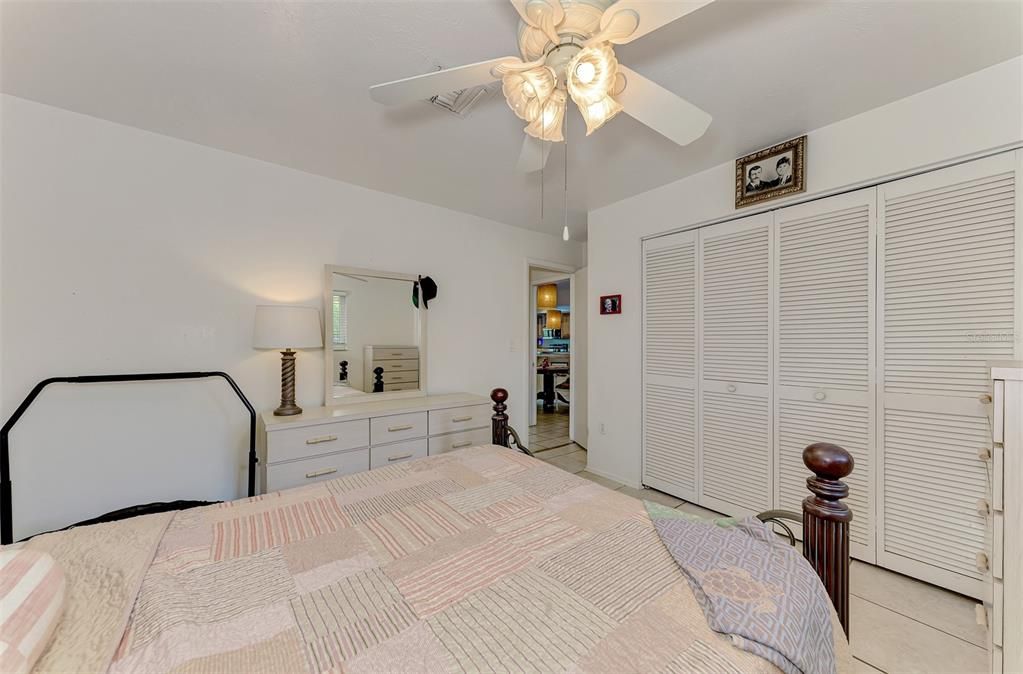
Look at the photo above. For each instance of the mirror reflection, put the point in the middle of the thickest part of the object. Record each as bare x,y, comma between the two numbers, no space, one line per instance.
372,333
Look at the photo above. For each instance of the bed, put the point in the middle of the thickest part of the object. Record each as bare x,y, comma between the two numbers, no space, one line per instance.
480,559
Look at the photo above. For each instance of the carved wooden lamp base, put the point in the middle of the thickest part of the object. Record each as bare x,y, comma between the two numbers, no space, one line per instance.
288,406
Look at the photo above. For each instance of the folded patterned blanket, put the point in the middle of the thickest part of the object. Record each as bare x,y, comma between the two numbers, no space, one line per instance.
753,587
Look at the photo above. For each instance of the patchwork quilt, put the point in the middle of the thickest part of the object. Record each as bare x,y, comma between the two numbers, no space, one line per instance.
482,559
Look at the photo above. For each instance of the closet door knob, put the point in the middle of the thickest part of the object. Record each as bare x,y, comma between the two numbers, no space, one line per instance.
820,395
731,388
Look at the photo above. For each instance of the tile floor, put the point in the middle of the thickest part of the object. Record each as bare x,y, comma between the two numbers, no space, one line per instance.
898,624
551,429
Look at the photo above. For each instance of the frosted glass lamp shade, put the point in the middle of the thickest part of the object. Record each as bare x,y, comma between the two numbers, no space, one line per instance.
526,91
547,296
591,74
597,114
281,326
548,124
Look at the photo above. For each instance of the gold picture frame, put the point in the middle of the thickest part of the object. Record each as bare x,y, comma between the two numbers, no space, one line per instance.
771,173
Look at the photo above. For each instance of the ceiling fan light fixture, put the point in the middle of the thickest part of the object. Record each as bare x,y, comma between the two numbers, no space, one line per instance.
597,114
526,92
548,124
591,74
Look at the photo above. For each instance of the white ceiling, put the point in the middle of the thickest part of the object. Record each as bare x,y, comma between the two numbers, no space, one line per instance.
287,82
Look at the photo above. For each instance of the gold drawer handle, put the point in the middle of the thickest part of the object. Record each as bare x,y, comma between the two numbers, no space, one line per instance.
399,458
461,419
398,353
459,445
320,473
395,429
322,438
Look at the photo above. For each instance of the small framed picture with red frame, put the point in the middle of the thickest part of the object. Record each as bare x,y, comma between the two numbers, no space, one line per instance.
610,304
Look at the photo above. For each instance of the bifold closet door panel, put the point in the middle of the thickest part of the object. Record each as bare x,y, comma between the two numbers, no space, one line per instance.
735,425
948,253
824,383
670,461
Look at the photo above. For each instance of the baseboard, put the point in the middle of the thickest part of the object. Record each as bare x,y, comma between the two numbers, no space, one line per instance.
615,478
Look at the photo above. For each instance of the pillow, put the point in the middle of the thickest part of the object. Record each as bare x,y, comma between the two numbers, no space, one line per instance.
31,603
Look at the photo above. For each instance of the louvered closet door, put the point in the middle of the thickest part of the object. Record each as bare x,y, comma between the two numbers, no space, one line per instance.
824,388
669,364
735,366
949,287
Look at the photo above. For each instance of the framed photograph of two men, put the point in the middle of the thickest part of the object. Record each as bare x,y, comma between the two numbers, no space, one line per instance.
771,173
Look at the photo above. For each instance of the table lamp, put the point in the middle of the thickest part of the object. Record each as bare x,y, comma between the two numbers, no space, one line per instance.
280,326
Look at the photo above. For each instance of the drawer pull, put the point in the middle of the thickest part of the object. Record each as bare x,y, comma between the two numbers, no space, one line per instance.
459,420
400,457
320,473
397,353
731,388
395,429
820,395
322,438
459,445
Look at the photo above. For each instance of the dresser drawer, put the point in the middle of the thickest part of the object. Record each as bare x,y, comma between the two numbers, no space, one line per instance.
401,377
404,386
385,455
395,353
299,443
397,365
297,473
459,418
383,430
446,443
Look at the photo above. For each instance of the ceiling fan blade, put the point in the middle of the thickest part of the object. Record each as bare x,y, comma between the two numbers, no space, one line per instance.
652,15
422,87
674,118
533,155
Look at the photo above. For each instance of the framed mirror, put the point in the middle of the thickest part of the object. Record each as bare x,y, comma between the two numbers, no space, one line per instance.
374,335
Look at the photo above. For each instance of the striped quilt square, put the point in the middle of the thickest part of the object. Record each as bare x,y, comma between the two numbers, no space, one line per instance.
276,527
438,585
618,570
527,622
345,618
375,506
402,532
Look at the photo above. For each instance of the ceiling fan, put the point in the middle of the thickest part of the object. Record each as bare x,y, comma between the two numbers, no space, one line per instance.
567,49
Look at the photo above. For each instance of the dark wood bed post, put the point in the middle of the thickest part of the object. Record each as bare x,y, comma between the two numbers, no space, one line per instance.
499,422
826,522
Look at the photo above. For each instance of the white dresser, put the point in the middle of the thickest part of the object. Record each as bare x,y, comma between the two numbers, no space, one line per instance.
1005,605
326,442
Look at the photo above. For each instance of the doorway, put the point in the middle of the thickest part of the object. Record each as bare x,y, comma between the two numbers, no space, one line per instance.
551,367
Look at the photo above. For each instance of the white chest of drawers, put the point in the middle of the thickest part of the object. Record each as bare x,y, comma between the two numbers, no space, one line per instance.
1005,601
327,442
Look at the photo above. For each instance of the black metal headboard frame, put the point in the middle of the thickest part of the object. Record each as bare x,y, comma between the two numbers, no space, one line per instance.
6,519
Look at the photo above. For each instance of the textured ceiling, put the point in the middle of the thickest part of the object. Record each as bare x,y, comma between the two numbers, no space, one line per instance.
287,82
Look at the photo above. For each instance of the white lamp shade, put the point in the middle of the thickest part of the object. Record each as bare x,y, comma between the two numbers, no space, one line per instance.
281,326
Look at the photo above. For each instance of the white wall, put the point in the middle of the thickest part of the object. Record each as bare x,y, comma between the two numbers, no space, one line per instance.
125,250
580,359
974,114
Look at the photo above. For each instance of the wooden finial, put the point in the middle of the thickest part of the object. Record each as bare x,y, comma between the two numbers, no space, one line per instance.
829,464
826,522
499,422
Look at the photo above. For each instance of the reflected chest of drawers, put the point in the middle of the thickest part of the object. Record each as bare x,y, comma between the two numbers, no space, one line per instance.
390,368
328,442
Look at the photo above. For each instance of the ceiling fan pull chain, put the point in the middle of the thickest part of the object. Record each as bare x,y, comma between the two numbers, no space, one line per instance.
564,232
